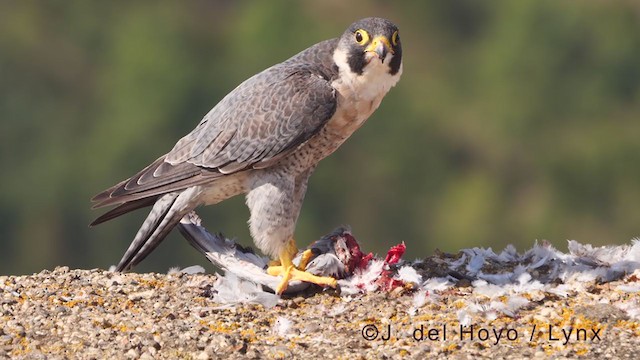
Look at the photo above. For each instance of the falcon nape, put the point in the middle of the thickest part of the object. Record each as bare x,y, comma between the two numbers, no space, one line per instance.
264,139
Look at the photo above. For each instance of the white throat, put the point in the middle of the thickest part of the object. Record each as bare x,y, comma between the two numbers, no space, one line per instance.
374,82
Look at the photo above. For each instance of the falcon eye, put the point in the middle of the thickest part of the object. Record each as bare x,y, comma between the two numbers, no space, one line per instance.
362,37
394,38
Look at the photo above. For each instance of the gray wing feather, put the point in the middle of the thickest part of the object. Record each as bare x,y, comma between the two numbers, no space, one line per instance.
269,114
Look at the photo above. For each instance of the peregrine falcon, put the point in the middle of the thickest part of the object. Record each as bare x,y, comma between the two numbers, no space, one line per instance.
264,139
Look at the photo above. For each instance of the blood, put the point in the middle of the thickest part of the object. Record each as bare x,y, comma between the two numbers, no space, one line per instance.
386,281
395,253
358,259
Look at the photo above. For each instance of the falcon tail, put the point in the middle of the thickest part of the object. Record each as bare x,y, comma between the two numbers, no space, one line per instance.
123,209
164,216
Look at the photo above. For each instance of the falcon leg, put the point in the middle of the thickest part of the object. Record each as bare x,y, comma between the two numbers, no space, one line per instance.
274,201
290,273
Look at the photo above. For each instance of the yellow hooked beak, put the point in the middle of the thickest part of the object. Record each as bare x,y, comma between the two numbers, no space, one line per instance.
380,45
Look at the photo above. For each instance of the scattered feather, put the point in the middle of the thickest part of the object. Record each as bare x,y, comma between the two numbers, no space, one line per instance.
282,326
629,288
418,301
515,303
194,269
509,254
337,310
476,263
489,290
174,270
232,290
461,261
562,290
436,284
464,317
363,281
408,275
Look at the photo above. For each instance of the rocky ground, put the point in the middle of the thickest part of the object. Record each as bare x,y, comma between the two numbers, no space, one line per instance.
98,314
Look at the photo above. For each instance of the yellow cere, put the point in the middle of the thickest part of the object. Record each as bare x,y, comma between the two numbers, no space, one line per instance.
376,41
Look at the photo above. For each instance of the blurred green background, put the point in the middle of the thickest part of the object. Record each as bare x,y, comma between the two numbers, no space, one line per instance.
514,121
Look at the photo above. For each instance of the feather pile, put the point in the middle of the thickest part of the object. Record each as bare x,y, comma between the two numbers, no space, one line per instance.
497,276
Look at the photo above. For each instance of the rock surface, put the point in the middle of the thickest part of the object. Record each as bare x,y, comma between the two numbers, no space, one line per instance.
95,314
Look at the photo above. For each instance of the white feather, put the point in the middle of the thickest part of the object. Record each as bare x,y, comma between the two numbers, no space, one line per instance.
232,290
436,284
408,275
464,317
191,270
282,326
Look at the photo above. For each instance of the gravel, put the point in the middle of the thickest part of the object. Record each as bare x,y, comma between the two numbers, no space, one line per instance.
96,314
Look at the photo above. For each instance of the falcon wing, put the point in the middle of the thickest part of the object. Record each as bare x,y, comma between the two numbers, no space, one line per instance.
261,121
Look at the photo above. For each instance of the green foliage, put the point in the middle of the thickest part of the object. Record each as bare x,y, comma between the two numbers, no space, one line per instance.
514,121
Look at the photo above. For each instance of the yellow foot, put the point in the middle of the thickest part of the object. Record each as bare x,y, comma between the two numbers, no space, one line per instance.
304,259
290,273
274,263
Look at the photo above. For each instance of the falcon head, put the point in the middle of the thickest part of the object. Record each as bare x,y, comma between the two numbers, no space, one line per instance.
370,46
